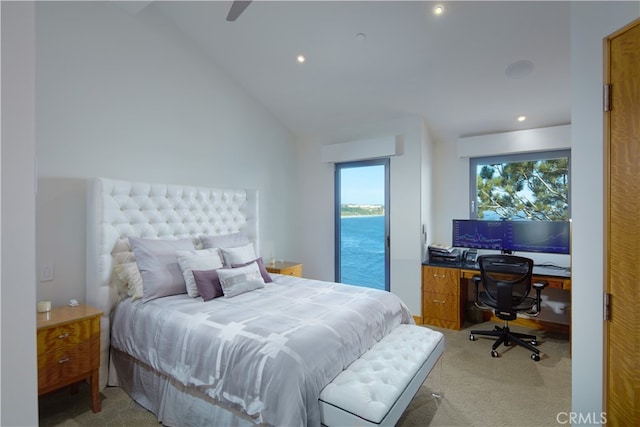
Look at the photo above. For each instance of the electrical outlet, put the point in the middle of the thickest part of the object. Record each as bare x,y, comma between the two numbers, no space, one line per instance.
46,272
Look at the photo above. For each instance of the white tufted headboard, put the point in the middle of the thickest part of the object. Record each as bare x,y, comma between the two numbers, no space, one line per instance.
119,209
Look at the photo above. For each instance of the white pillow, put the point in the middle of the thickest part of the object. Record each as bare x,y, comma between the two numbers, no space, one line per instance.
236,281
238,255
205,259
130,275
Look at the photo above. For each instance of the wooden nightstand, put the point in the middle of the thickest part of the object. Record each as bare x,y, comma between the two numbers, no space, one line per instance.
69,349
284,267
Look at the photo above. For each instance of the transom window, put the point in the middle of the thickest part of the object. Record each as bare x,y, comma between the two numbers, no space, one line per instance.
529,186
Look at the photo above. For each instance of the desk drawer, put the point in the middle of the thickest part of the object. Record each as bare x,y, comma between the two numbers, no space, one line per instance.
441,280
440,306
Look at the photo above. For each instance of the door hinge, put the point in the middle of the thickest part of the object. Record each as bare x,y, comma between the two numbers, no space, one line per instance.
606,98
607,306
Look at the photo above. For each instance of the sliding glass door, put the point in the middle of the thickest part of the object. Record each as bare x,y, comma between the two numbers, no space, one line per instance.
362,223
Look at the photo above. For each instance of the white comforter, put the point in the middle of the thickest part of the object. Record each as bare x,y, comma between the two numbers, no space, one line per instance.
268,352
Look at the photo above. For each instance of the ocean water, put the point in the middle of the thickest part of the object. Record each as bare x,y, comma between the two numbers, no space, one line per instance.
362,249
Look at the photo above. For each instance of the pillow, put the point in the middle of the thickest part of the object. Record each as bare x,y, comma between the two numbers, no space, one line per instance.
263,271
130,276
232,240
238,255
205,259
208,284
236,281
161,275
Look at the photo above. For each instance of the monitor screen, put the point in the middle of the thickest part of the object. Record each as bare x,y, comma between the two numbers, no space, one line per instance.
478,234
537,236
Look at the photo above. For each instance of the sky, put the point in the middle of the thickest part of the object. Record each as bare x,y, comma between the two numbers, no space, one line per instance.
362,185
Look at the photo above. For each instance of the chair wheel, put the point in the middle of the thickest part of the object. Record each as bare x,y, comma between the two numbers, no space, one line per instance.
495,353
534,342
472,337
535,357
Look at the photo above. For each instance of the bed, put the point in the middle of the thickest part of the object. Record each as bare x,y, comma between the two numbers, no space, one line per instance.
261,352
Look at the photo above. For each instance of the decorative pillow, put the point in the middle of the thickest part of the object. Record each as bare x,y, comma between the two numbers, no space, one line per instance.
263,271
238,255
236,281
130,276
158,264
232,240
205,259
208,284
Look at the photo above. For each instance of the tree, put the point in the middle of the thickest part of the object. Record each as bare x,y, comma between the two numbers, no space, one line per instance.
532,190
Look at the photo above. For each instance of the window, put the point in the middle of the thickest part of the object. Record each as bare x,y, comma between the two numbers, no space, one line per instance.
362,223
530,186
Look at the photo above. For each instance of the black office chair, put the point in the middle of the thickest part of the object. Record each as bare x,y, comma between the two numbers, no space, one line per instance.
506,282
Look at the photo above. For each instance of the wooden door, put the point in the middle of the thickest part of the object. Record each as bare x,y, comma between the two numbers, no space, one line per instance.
622,227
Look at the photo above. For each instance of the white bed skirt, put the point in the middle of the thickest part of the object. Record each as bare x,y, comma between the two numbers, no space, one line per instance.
173,403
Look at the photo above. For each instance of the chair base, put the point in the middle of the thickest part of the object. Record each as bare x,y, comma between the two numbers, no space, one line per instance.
506,337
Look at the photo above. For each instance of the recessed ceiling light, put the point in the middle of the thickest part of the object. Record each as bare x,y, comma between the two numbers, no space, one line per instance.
521,118
361,36
301,59
438,9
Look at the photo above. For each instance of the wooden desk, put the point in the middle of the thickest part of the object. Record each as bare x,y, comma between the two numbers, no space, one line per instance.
445,292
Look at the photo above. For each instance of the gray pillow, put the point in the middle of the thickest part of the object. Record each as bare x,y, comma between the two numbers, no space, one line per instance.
236,281
263,270
158,264
232,240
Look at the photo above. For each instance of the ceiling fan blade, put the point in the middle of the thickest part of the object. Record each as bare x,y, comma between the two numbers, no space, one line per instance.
237,7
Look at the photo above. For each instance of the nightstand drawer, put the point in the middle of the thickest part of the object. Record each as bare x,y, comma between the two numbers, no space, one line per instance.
64,336
64,363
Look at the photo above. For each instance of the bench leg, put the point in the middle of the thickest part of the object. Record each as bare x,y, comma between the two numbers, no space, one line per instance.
436,374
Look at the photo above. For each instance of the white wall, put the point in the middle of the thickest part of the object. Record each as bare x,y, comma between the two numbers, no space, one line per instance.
317,204
126,96
18,376
591,22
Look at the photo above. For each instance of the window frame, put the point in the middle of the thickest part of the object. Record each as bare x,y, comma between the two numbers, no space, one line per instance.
512,158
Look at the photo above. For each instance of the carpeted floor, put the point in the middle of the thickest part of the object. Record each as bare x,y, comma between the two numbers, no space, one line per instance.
475,389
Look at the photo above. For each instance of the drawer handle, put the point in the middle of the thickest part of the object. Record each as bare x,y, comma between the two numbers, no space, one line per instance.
441,276
65,335
63,360
438,301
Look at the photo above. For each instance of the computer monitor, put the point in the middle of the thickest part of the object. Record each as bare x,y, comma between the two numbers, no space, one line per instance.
478,234
537,236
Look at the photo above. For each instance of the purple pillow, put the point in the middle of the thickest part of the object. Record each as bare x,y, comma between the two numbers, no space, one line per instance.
208,284
263,271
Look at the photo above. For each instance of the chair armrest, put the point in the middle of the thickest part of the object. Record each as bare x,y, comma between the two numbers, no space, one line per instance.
538,286
476,293
476,285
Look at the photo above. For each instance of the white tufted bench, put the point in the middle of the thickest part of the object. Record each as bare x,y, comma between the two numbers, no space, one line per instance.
377,388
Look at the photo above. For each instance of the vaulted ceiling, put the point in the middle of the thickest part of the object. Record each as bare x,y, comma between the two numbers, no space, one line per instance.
470,70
